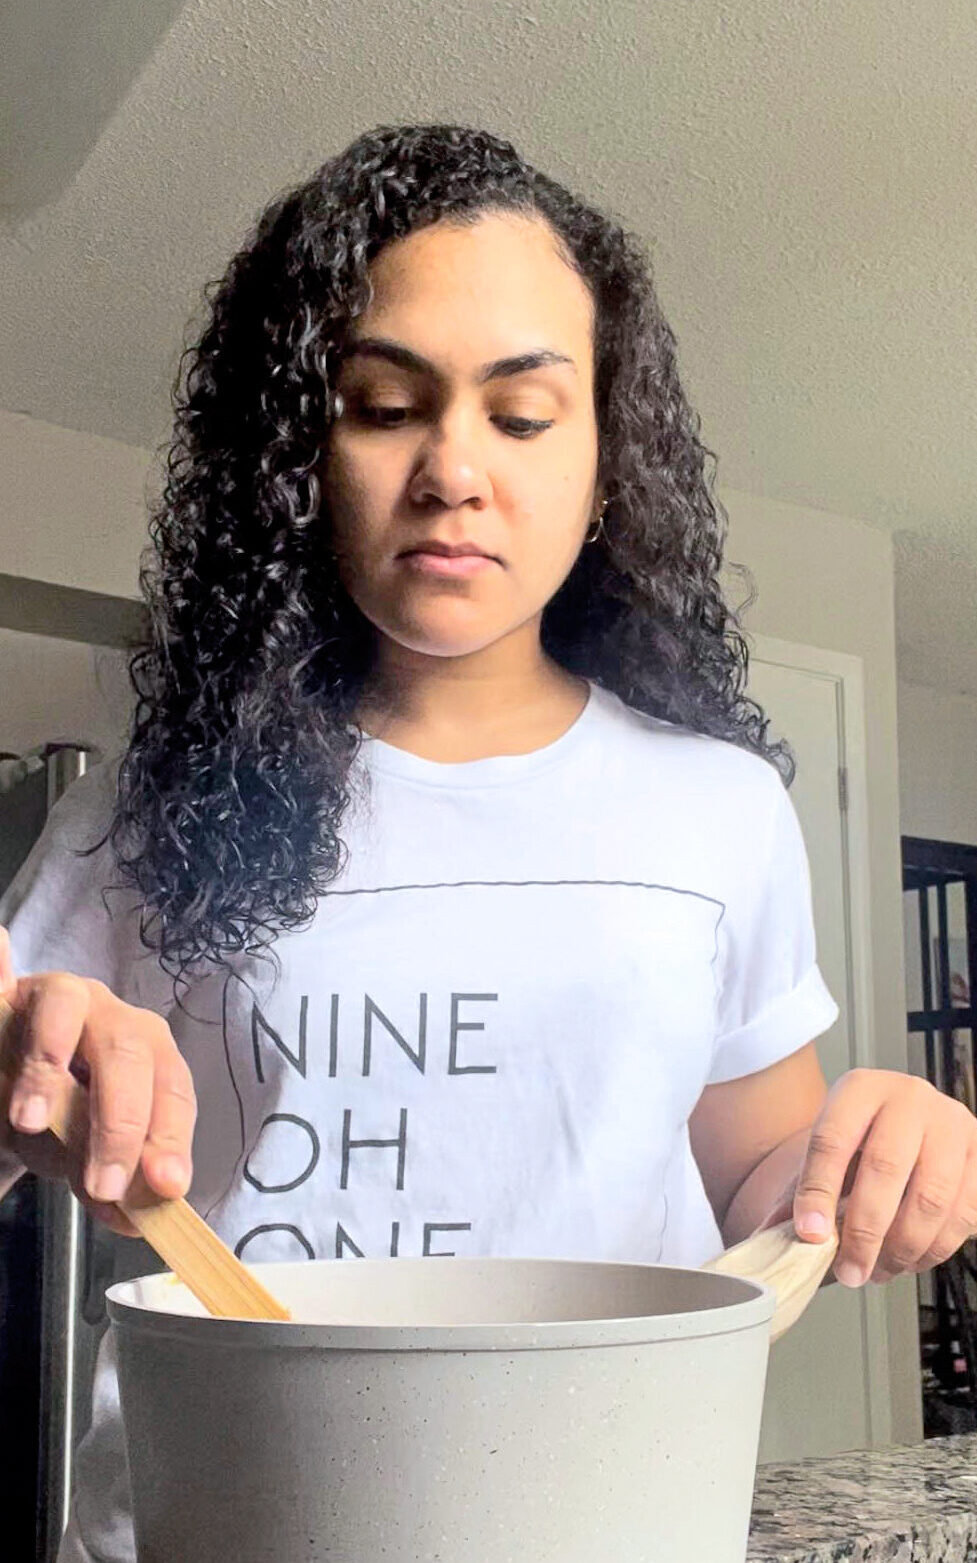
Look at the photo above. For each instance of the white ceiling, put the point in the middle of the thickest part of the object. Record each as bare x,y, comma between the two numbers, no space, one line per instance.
805,176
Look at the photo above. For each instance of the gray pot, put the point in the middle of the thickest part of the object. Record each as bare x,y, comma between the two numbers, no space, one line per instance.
477,1411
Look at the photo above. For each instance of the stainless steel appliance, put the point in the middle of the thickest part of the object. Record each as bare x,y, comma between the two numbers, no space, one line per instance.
54,1261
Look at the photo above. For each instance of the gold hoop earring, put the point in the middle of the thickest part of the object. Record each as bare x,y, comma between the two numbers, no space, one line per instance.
600,525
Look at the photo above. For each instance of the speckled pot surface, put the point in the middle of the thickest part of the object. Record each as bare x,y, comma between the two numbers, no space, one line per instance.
476,1411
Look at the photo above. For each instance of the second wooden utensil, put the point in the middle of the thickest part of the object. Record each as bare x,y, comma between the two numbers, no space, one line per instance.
778,1257
172,1227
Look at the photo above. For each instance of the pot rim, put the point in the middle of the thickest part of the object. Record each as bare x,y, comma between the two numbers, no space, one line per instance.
740,1305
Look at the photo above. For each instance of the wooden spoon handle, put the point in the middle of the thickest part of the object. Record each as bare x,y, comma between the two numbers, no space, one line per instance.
172,1227
779,1258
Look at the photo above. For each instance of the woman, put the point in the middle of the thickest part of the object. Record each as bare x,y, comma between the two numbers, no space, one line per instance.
448,866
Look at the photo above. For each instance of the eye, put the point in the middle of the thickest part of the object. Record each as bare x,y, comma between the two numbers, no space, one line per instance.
525,428
384,417
394,417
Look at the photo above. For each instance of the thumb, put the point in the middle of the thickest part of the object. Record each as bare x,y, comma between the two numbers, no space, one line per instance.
10,1164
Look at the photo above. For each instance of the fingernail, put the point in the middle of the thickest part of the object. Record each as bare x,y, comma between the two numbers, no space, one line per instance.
31,1113
849,1273
812,1224
109,1183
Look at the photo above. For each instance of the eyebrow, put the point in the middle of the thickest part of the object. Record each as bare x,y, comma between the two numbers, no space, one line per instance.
406,358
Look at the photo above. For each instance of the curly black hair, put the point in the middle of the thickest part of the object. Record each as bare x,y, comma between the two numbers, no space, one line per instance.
236,776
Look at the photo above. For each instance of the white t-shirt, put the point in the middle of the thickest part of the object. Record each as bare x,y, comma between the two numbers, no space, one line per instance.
491,1037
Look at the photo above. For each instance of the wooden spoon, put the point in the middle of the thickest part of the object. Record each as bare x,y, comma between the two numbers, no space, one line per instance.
778,1257
183,1240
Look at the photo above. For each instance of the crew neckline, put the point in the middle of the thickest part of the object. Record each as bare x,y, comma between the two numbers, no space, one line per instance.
493,770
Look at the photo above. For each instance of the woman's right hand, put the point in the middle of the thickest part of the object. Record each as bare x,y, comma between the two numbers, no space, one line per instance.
143,1105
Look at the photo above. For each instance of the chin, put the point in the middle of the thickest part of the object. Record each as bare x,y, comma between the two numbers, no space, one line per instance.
445,645
455,634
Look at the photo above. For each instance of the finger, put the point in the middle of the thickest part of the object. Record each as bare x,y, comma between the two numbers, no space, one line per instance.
54,1008
836,1136
960,1224
888,1157
110,1216
46,1156
7,1131
107,1215
166,1156
928,1204
8,981
121,1096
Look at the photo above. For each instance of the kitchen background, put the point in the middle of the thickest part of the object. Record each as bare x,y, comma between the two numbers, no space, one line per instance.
804,177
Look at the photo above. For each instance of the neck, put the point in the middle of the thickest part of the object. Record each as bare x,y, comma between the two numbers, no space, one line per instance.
494,701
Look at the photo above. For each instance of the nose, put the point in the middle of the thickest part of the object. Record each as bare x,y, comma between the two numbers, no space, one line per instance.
451,468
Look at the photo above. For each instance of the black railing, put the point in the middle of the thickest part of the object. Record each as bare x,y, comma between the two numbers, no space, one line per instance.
929,870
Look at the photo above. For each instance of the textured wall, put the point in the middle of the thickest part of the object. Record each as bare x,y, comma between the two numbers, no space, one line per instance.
804,174
938,763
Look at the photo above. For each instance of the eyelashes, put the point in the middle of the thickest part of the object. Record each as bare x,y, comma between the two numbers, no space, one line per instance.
396,418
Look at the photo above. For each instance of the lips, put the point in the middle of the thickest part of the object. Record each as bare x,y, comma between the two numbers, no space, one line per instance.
426,562
449,550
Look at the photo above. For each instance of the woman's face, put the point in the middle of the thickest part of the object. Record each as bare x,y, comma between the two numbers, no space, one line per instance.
443,436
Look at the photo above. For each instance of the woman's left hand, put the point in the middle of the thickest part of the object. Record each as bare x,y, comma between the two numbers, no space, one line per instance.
905,1155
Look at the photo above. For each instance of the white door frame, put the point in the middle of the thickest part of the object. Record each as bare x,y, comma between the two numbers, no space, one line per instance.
846,673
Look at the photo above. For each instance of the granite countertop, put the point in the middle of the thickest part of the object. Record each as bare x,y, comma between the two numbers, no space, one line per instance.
904,1504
